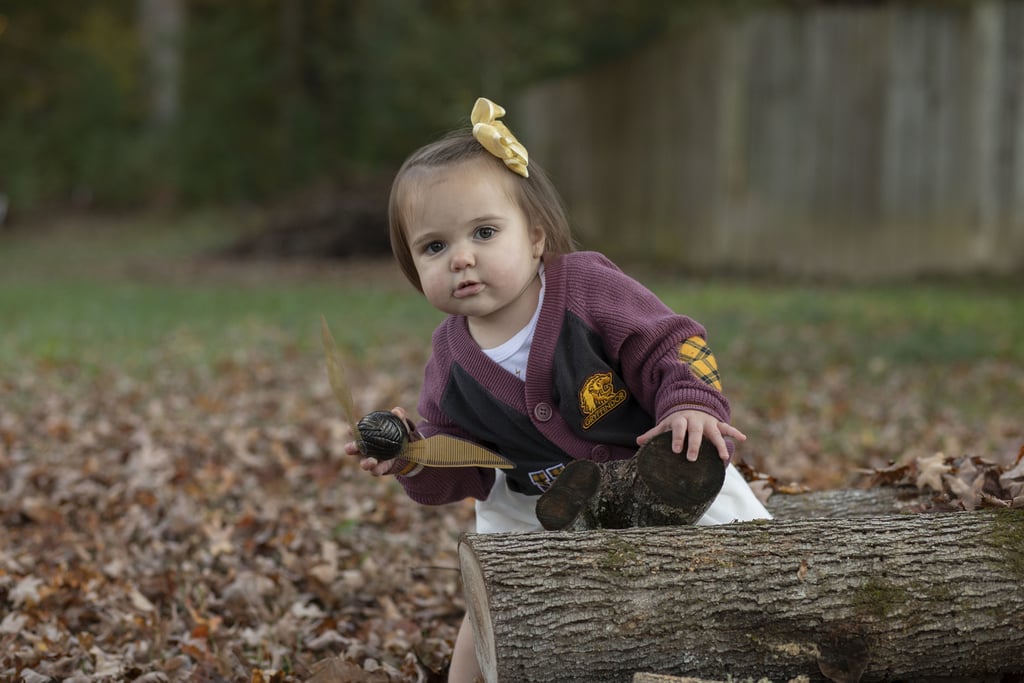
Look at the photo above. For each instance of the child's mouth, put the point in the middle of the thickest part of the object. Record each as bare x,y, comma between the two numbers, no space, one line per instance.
467,288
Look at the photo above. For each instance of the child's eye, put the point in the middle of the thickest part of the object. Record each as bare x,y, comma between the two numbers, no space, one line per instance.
486,232
434,247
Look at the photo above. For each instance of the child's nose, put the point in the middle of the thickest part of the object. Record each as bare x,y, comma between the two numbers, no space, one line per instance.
462,257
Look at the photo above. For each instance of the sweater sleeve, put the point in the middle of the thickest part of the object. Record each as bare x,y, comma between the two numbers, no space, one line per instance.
646,336
440,485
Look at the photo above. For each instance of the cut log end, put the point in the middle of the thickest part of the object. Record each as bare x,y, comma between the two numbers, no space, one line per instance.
479,613
676,481
562,504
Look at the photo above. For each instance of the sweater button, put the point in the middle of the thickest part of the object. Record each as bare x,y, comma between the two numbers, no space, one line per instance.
600,454
542,411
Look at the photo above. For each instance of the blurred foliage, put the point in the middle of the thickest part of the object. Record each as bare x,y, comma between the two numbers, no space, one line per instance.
274,95
70,101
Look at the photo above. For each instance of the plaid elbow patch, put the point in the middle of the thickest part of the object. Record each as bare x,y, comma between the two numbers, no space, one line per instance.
695,353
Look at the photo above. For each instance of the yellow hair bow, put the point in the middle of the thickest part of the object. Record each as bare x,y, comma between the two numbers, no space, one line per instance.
496,138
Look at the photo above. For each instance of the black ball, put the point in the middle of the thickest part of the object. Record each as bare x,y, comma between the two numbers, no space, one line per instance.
382,435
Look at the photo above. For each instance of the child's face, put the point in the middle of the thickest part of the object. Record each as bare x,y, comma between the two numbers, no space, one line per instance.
473,249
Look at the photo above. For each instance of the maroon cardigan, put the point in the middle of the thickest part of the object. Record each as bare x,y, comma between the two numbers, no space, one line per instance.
595,322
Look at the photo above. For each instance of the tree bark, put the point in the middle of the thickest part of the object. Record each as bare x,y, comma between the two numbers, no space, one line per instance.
161,34
661,678
910,597
849,503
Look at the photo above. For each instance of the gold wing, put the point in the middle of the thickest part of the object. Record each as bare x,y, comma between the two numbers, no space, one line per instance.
336,374
442,450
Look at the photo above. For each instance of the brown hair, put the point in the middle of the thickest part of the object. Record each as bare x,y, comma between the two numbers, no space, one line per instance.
536,196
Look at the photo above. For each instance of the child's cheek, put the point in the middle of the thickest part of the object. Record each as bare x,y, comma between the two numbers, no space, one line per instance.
436,292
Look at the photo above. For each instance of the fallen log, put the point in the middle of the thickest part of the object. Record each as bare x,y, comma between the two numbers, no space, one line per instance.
847,503
661,678
910,597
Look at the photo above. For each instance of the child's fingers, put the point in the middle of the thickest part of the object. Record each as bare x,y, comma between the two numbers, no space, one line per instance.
375,467
681,436
648,435
723,448
694,437
728,430
410,426
692,432
677,424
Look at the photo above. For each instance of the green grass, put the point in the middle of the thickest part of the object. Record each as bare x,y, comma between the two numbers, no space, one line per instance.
140,296
138,325
129,294
820,376
898,323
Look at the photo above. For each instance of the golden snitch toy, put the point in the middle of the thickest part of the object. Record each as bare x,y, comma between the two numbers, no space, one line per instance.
383,435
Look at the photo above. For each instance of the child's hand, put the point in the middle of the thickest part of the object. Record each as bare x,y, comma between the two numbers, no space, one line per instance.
376,467
698,425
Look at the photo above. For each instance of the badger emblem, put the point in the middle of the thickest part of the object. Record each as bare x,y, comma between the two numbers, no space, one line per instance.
598,397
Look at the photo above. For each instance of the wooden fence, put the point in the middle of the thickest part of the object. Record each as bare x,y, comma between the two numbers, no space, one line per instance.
872,141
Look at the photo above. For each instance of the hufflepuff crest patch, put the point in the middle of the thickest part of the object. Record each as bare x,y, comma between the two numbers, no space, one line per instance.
598,397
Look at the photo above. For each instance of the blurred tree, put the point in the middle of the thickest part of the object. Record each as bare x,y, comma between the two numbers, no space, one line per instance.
70,103
161,29
118,102
161,25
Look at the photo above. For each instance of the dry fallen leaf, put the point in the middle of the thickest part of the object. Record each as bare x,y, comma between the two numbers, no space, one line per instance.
204,523
1013,479
963,483
930,471
208,528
